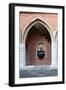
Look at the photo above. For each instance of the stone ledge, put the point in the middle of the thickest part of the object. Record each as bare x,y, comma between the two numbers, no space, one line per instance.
41,67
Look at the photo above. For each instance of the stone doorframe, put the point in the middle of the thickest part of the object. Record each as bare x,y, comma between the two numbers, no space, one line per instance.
53,35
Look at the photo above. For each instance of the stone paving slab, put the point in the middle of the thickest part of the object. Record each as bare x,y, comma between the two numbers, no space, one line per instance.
38,73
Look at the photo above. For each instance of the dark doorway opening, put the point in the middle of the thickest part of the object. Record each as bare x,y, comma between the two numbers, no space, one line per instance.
38,33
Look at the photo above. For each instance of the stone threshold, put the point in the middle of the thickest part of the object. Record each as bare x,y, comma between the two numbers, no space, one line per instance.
38,67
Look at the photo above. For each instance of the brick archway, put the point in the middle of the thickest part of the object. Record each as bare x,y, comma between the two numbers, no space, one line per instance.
23,55
37,33
27,29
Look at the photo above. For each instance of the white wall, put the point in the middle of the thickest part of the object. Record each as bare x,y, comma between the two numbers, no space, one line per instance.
4,44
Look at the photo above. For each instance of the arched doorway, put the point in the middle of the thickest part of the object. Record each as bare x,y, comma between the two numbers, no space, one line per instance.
38,45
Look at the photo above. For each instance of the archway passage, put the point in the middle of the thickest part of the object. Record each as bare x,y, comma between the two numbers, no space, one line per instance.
38,42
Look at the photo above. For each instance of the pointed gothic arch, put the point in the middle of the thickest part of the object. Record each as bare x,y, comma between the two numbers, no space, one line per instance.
35,29
34,22
22,45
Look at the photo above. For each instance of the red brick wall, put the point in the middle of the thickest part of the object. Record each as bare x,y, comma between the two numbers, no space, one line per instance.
24,20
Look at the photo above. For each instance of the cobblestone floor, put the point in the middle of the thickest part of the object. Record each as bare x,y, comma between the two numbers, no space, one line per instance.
38,73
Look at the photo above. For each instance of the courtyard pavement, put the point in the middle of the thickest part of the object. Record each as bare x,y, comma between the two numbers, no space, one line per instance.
38,73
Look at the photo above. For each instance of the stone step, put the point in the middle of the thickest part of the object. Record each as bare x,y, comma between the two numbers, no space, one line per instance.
41,67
